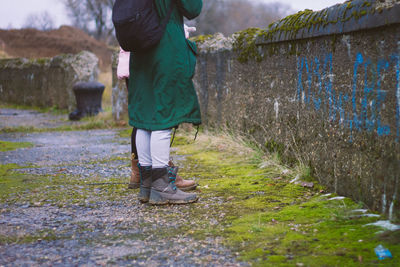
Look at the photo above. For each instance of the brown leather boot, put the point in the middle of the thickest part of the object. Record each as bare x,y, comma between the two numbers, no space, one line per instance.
134,183
182,184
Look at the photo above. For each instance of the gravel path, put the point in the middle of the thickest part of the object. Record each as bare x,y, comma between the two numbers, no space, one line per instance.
29,118
57,148
108,226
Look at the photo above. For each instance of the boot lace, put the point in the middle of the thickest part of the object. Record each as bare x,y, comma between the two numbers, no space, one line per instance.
172,177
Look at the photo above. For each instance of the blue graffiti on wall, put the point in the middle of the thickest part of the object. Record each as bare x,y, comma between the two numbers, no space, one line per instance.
360,109
395,58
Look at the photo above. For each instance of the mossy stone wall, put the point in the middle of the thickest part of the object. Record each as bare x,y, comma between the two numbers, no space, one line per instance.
46,82
330,100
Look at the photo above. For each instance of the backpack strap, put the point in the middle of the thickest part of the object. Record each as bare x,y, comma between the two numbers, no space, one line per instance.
164,22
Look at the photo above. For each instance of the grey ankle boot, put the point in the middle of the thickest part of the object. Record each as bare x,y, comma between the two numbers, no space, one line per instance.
145,183
164,190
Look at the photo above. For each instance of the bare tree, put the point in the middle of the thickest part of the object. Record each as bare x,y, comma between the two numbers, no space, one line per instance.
226,16
229,16
100,12
76,11
210,15
92,16
41,21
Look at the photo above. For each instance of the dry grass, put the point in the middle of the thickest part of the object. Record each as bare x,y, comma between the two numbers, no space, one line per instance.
224,142
3,54
219,140
106,79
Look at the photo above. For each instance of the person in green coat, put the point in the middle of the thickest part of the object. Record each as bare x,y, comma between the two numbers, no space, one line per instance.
162,96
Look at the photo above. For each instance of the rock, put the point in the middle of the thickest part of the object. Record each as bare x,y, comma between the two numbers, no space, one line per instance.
307,184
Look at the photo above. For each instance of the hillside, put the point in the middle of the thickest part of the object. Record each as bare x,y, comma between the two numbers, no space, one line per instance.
31,43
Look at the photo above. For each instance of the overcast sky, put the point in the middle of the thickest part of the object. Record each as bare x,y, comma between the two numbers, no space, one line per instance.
13,13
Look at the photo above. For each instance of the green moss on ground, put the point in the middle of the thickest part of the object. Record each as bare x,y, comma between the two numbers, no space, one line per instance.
88,123
245,197
7,146
13,183
42,235
103,120
272,222
58,189
52,110
125,133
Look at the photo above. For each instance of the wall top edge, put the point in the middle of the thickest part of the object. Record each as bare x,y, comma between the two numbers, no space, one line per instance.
343,18
351,16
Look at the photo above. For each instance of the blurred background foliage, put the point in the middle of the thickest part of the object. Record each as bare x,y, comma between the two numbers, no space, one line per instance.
224,16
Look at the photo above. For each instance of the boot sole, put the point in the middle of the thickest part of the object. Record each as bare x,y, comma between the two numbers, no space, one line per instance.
157,199
188,188
166,202
144,195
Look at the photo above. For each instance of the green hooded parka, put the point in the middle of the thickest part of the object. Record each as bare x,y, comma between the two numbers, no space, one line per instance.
161,91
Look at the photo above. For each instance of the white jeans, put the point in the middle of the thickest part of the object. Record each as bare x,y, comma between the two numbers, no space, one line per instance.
153,147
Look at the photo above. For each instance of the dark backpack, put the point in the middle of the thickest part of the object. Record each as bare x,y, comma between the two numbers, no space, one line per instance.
137,24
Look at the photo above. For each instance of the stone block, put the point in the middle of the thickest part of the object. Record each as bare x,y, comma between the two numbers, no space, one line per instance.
119,97
46,82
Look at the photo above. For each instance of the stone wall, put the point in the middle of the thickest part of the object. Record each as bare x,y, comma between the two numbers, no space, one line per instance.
119,97
320,88
45,82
